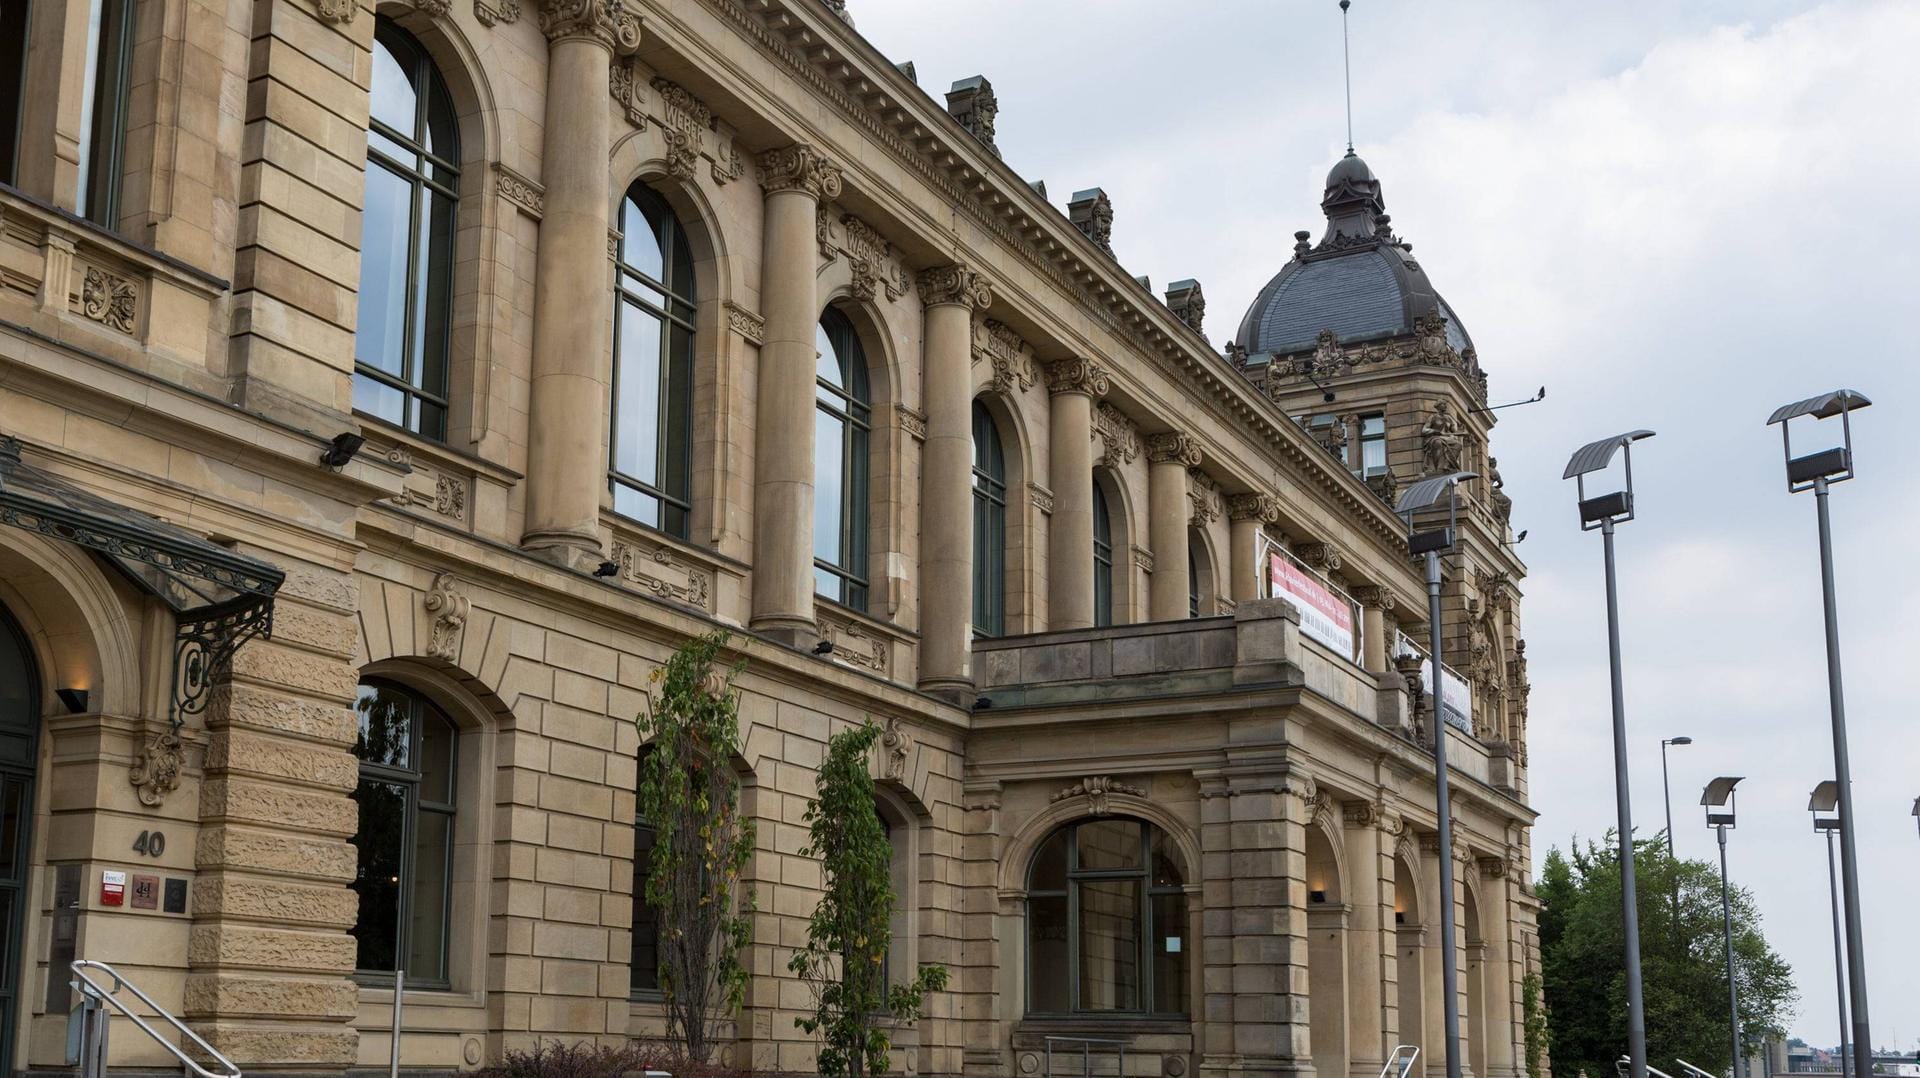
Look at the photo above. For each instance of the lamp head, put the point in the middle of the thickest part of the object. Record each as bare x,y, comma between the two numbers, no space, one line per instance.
1719,801
1680,740
1425,495
1833,465
1616,507
1825,806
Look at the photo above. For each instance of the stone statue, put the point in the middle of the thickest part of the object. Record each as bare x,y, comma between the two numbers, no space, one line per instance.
1497,494
1441,442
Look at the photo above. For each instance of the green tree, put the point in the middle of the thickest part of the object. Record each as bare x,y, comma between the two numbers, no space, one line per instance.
1682,960
845,961
690,792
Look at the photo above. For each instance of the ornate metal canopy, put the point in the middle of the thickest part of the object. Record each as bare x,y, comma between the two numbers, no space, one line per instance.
219,599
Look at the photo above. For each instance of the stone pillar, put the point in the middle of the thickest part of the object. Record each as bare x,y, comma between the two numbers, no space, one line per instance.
1435,1053
1073,383
1369,944
1502,1024
1248,514
1377,604
796,179
269,960
573,294
951,293
1169,455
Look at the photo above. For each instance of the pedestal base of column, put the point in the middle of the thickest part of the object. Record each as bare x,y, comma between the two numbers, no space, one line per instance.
569,550
797,633
1239,1066
959,693
983,1063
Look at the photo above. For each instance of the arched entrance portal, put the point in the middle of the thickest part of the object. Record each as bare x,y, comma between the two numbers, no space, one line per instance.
1409,942
19,738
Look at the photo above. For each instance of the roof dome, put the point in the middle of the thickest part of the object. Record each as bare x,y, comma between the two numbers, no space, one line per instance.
1360,281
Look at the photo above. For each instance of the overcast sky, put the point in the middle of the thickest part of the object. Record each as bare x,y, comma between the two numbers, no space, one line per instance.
1676,216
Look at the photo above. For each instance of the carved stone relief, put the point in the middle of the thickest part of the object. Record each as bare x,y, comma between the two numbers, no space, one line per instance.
1097,789
1011,358
1118,435
895,746
108,299
853,643
664,572
449,609
529,197
684,122
156,768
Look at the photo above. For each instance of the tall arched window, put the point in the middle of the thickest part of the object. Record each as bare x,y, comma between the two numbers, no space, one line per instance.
405,841
1102,558
652,436
841,423
989,526
1106,921
406,240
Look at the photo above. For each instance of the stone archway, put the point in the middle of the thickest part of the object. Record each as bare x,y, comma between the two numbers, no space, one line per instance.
1473,1021
1327,915
1409,953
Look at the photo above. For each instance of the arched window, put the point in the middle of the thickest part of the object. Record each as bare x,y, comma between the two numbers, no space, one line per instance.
841,423
406,240
1102,558
405,841
652,436
644,963
1106,921
989,526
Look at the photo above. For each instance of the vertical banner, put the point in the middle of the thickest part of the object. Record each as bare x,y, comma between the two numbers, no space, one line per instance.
1326,614
1456,696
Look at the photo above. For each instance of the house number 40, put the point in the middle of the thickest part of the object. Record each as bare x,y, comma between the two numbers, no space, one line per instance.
151,843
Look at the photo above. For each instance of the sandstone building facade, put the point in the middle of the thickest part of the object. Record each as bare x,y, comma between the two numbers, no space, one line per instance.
388,387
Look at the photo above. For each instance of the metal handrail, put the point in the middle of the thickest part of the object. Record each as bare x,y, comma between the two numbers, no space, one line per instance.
1412,1052
1696,1072
1086,1057
1625,1065
93,997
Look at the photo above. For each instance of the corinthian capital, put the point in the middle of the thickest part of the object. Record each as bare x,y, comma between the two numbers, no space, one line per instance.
606,21
1261,508
1173,447
955,284
802,168
1076,376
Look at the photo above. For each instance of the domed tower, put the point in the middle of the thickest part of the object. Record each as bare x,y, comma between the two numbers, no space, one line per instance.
1352,340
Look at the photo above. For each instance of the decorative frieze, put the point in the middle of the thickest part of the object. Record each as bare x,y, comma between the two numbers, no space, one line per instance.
624,82
1076,376
1011,358
914,423
684,120
108,299
870,258
955,284
1173,447
505,11
527,196
799,167
1259,508
1143,559
1092,213
448,609
747,324
1118,435
606,21
1097,789
663,571
853,643
1042,497
1204,496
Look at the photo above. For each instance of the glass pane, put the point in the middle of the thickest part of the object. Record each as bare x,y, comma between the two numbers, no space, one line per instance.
1165,861
1049,871
677,467
645,961
829,473
386,726
826,364
636,504
383,820
386,230
13,818
1047,961
636,420
1109,945
442,137
433,303
394,101
1170,954
436,758
1105,845
432,870
639,244
377,398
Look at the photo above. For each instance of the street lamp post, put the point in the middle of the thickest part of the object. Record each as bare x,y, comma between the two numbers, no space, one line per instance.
1666,791
1816,472
1422,496
1824,804
1603,511
1718,797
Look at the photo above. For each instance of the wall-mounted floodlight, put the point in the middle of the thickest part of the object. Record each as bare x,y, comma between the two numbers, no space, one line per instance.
1593,457
1825,806
1425,495
1719,800
1831,465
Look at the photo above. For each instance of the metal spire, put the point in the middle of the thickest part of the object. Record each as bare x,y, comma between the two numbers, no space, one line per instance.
1346,69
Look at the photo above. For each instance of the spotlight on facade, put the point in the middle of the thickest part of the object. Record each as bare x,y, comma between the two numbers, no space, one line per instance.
1834,465
75,700
1318,898
344,447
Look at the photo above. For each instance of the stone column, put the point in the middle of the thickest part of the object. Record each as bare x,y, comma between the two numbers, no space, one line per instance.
1248,514
1369,949
1073,384
1435,1053
952,293
1377,604
573,291
796,179
1169,455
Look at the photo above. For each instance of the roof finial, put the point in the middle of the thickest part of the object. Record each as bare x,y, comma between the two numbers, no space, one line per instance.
1346,69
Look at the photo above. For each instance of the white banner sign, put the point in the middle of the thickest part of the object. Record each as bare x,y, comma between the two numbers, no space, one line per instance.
1456,698
1325,614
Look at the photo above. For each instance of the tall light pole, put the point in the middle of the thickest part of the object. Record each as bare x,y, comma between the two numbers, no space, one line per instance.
1422,496
1719,796
1824,804
1603,511
1816,472
1666,791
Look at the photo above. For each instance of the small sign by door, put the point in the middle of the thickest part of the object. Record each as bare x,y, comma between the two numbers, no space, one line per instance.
146,893
113,888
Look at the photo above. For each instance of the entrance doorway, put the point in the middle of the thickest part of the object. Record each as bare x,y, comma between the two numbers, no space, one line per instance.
19,739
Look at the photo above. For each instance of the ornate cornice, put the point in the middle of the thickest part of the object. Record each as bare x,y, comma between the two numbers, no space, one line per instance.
1097,789
1076,376
1323,556
684,123
605,21
802,168
1260,508
957,285
1173,447
1204,495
